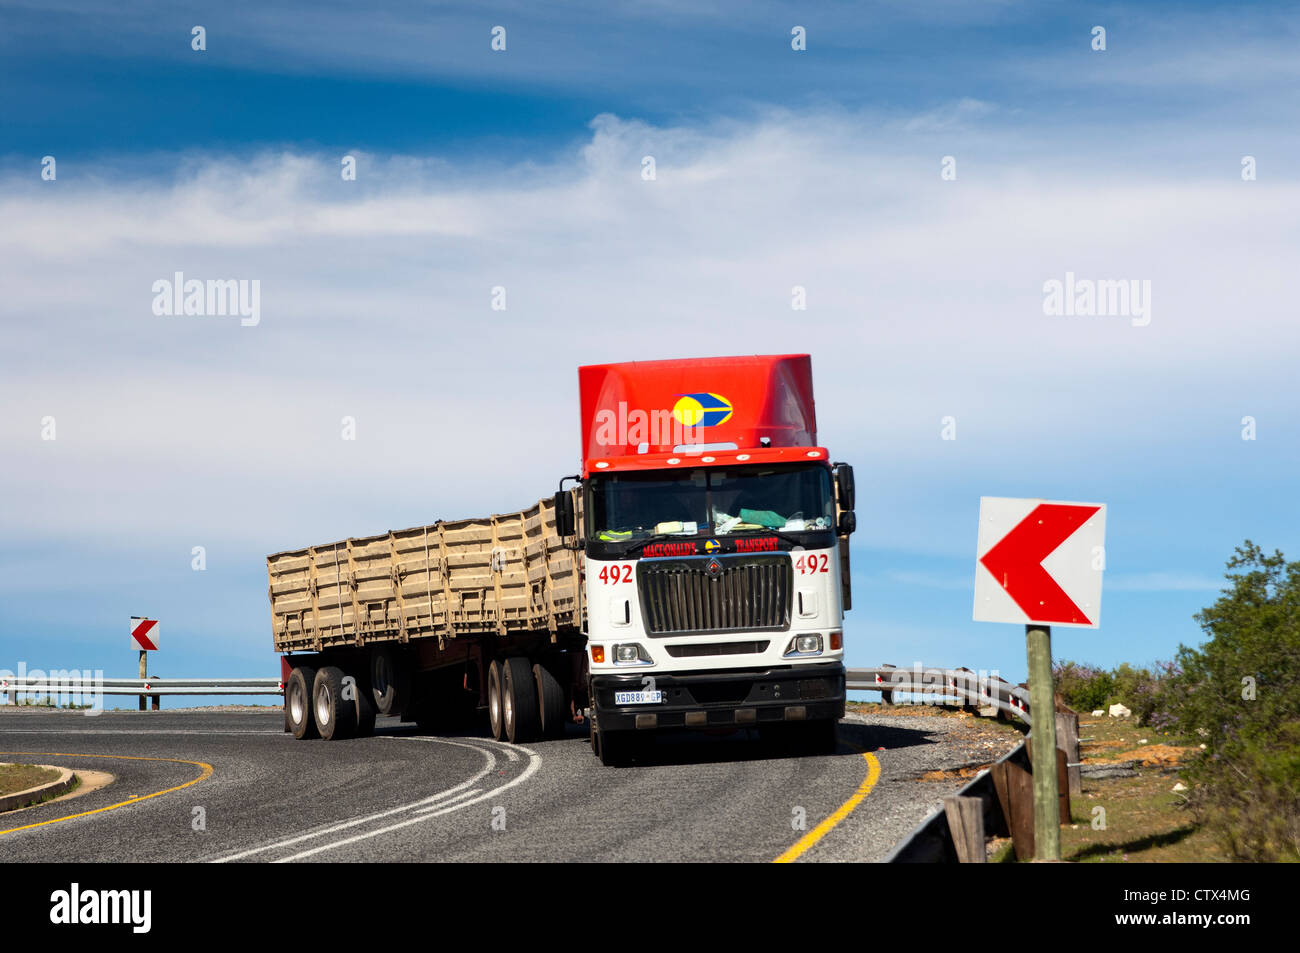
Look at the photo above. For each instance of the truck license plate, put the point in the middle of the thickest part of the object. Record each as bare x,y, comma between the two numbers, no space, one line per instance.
638,698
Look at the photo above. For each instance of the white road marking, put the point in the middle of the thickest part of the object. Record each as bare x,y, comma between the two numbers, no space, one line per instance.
434,807
511,751
534,762
489,758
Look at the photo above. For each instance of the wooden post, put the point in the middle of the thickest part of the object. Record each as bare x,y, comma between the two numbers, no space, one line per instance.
966,823
1067,740
143,661
1015,790
1042,743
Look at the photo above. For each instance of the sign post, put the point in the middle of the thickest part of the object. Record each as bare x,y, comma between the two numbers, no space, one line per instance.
144,636
1040,563
1042,743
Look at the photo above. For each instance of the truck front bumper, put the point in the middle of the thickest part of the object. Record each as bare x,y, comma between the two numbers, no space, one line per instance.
722,699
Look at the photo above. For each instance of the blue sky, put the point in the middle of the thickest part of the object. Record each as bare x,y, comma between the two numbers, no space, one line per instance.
522,169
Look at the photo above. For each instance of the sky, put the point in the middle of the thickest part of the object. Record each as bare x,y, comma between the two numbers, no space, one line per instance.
922,170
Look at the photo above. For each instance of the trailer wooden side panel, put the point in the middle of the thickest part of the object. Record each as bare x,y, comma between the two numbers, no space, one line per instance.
494,576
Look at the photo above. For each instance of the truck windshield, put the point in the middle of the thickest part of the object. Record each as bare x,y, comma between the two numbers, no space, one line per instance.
710,501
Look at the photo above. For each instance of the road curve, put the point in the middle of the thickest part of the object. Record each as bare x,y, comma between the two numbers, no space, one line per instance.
230,786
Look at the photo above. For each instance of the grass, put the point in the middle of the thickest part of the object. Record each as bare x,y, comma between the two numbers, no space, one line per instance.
1145,820
20,777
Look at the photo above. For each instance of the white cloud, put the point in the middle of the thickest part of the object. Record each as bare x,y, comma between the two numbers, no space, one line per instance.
924,300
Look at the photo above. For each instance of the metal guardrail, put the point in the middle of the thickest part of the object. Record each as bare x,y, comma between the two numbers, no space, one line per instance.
13,686
931,840
967,687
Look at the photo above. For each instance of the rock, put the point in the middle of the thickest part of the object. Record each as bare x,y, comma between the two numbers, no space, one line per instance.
1143,741
1180,786
1098,713
1119,711
1109,769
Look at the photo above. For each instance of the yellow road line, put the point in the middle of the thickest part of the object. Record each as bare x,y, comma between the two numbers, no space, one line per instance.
206,773
843,811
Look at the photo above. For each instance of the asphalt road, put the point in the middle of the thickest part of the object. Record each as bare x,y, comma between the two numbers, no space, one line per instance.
231,786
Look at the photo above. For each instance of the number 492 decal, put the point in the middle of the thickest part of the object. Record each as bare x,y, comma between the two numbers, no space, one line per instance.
812,563
613,575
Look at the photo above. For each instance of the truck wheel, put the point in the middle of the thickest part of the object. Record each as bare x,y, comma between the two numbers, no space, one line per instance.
496,717
336,716
365,706
297,702
550,703
519,701
390,680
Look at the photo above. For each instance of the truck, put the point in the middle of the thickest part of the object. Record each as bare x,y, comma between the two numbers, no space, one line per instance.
693,575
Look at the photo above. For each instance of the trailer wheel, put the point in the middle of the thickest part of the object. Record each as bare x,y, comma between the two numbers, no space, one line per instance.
365,705
336,716
390,680
297,702
519,701
496,717
550,703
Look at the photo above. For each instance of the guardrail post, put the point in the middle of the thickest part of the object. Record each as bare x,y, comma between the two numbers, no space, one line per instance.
1067,740
1015,790
966,824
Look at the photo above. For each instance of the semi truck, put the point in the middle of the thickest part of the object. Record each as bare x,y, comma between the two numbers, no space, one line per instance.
693,574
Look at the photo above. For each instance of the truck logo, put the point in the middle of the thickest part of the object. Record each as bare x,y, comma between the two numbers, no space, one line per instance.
702,410
712,545
714,567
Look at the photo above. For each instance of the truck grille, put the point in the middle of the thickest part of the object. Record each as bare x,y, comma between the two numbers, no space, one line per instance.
715,593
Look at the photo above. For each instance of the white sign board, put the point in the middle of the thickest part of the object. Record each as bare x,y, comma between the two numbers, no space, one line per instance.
144,634
1040,561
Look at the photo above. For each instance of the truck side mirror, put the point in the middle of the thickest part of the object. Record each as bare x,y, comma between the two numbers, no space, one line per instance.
848,523
564,521
844,485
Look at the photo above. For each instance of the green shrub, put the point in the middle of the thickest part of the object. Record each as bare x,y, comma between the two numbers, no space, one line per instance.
1240,693
1084,687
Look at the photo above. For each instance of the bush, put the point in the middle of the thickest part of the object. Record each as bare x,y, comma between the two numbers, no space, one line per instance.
1084,687
1240,693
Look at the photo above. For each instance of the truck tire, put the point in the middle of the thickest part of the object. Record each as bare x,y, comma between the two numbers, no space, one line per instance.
390,680
297,702
496,713
519,701
365,705
550,703
336,716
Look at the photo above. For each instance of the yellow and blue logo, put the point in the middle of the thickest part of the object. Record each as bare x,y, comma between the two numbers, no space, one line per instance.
702,410
712,545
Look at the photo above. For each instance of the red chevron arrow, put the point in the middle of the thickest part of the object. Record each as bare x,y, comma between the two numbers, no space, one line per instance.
1016,562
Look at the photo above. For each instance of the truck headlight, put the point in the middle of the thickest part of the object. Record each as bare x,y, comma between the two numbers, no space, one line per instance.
805,645
631,653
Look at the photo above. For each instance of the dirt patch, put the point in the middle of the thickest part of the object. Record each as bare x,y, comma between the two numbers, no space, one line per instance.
1157,754
964,773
